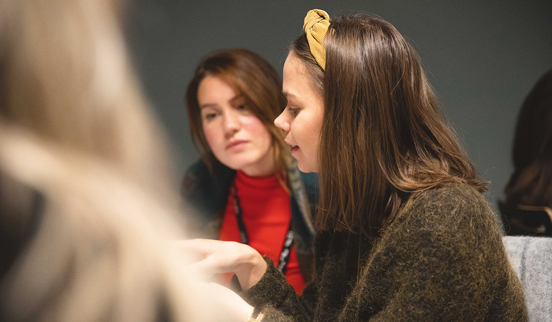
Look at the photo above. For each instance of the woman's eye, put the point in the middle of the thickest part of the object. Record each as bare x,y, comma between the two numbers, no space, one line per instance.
209,116
241,107
294,111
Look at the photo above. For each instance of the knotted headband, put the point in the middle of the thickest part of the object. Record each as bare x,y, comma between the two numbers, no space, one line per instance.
315,27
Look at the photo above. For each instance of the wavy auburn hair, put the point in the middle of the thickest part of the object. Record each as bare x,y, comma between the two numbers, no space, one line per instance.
251,76
383,137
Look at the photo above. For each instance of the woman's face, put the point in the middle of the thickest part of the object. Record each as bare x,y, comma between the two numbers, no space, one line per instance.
237,138
302,118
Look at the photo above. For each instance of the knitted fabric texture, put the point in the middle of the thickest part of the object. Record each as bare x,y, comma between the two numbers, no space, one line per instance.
315,26
441,259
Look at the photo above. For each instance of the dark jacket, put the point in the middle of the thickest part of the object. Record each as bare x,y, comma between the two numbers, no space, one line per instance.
441,259
207,196
20,213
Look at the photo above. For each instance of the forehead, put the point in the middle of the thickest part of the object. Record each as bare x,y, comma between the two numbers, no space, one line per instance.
294,68
215,81
214,87
297,80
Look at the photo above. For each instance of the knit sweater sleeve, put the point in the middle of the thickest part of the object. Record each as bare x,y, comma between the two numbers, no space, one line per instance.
278,299
441,260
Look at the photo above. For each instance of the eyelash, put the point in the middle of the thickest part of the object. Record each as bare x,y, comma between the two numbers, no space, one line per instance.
210,116
294,111
240,107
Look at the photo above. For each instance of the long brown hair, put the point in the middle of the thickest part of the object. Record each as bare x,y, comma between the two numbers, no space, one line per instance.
531,182
254,78
383,137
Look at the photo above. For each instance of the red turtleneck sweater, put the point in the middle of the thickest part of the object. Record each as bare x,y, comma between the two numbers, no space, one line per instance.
266,214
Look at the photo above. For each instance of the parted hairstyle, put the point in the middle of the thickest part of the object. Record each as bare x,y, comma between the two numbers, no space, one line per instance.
531,182
252,77
383,137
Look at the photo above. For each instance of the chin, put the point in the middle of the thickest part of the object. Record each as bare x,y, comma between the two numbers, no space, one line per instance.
305,168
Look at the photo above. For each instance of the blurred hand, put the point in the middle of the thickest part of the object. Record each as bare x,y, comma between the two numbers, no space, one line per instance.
230,306
213,256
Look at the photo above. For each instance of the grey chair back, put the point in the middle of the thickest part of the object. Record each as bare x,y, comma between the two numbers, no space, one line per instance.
531,258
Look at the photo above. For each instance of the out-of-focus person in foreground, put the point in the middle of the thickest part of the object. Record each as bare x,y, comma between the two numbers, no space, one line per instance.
86,205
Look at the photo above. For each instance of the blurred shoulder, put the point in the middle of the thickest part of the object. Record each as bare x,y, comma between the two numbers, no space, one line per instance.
199,176
198,171
21,207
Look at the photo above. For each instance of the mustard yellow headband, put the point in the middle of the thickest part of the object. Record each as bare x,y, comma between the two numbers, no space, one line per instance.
315,27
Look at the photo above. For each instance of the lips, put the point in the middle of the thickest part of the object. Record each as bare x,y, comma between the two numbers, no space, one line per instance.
235,144
293,147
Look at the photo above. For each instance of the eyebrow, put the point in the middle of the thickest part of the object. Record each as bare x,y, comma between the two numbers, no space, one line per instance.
288,94
208,105
232,100
237,98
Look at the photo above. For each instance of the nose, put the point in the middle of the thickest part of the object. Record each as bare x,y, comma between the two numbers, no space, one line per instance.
231,123
282,121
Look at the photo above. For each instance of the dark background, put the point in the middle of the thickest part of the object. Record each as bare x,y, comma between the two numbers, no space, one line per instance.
482,58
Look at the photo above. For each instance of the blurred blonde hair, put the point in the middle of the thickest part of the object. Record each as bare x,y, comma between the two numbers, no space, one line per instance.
67,78
75,127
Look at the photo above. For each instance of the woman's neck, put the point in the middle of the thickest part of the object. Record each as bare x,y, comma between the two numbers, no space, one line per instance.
266,166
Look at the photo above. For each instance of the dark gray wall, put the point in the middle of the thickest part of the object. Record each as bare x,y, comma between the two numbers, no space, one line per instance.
482,57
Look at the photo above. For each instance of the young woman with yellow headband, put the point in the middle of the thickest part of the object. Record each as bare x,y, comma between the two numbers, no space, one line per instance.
404,232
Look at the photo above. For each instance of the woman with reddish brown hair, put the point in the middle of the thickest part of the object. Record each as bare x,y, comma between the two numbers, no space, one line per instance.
246,188
403,230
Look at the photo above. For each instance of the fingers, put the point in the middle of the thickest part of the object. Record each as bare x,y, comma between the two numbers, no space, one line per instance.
210,257
207,268
193,245
195,249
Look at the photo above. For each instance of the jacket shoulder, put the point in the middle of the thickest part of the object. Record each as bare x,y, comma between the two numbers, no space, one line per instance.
205,192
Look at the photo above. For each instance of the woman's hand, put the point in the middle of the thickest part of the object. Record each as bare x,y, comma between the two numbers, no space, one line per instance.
229,306
213,257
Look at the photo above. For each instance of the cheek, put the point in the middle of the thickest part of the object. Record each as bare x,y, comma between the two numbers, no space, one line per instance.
315,128
253,124
212,136
257,129
304,130
308,135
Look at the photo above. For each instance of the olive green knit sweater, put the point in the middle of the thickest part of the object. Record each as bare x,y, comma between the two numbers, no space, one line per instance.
441,259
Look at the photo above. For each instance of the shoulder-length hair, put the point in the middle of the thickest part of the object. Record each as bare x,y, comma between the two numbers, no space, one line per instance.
383,137
251,76
531,183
